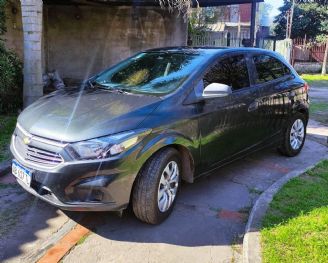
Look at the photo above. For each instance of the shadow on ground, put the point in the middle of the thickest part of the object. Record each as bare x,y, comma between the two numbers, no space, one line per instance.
211,213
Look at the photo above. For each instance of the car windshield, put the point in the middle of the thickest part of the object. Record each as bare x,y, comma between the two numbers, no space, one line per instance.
152,73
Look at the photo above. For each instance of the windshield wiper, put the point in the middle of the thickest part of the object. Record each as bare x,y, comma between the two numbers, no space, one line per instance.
113,89
120,91
91,84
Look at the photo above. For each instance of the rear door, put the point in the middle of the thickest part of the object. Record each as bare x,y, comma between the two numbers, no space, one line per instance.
272,78
226,124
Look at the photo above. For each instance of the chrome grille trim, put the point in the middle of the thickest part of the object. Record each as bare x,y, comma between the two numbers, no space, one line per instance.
39,139
40,157
35,156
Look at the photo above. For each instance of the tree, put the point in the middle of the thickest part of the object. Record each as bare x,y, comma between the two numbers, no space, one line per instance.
2,17
11,77
200,19
182,6
310,19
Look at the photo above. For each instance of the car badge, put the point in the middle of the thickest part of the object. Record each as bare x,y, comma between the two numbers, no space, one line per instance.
26,140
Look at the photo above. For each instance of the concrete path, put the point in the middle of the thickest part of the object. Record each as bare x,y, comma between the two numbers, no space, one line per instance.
27,225
319,93
209,219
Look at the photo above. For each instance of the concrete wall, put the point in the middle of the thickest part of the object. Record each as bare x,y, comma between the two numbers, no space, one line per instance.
14,36
81,41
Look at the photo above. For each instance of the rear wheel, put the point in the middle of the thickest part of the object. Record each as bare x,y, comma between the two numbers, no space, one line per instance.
294,136
157,186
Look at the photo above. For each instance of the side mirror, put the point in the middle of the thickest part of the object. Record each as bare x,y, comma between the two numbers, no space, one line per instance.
217,90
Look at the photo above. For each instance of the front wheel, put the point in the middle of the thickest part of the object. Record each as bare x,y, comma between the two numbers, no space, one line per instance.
294,136
157,186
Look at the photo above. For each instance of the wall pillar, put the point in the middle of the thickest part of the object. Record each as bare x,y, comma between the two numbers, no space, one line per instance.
32,28
252,29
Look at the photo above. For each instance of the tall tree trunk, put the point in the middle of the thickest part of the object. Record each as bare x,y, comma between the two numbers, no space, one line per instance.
325,58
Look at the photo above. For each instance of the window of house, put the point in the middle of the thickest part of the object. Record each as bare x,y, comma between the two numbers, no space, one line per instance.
269,68
231,71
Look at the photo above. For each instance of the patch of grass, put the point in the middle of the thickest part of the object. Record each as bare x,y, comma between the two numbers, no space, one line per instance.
82,239
7,126
255,191
236,246
215,209
319,111
316,80
295,228
11,216
319,106
5,186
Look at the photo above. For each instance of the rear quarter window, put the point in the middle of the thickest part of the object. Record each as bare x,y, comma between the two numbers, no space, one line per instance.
269,68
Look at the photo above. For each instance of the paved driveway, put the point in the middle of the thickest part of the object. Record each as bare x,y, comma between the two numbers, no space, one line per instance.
208,222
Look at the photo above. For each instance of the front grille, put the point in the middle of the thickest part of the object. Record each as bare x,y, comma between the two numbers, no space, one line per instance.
36,155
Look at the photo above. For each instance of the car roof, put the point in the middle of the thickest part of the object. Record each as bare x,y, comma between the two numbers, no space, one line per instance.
209,50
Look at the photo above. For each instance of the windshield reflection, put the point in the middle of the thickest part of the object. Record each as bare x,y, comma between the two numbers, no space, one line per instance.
153,73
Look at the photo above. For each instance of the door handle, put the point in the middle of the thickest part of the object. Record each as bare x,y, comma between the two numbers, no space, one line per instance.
253,106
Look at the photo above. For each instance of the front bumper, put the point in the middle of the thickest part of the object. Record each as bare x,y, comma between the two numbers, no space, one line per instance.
83,185
74,206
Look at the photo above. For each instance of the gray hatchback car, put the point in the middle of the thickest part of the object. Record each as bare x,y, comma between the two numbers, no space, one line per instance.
131,133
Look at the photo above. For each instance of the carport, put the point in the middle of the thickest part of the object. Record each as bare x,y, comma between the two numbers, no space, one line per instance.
81,37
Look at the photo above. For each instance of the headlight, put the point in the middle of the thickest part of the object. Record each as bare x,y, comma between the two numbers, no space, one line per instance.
112,145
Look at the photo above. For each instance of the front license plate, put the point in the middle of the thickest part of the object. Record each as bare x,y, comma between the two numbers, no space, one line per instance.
22,173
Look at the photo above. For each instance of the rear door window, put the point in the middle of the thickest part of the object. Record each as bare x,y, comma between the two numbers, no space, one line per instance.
231,71
269,68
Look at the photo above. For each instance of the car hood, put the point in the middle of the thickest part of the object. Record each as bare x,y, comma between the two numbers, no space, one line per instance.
76,115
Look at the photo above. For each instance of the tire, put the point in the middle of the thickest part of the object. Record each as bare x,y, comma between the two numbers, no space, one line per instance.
149,186
288,148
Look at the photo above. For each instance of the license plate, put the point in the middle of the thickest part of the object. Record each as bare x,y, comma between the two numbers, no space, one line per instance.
22,173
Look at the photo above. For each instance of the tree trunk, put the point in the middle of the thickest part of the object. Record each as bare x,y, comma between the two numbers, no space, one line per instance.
325,58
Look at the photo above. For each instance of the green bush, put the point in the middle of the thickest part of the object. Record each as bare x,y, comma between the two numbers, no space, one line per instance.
11,76
11,81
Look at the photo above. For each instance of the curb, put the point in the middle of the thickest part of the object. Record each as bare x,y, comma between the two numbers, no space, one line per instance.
5,167
251,242
51,241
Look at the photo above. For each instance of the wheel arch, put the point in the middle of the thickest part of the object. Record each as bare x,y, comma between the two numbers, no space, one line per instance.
172,140
303,110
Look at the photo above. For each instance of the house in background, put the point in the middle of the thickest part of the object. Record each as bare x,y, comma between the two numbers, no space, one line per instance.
236,21
81,37
234,25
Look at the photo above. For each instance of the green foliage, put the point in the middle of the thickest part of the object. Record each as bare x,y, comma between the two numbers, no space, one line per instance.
11,79
11,76
310,18
316,80
2,16
7,126
296,224
201,18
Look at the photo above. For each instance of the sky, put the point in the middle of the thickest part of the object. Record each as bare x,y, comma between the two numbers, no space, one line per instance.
275,5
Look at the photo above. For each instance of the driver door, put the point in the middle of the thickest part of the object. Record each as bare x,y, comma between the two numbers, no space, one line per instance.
226,123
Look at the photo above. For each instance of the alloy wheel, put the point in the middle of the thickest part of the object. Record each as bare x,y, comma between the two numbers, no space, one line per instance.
168,186
297,133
